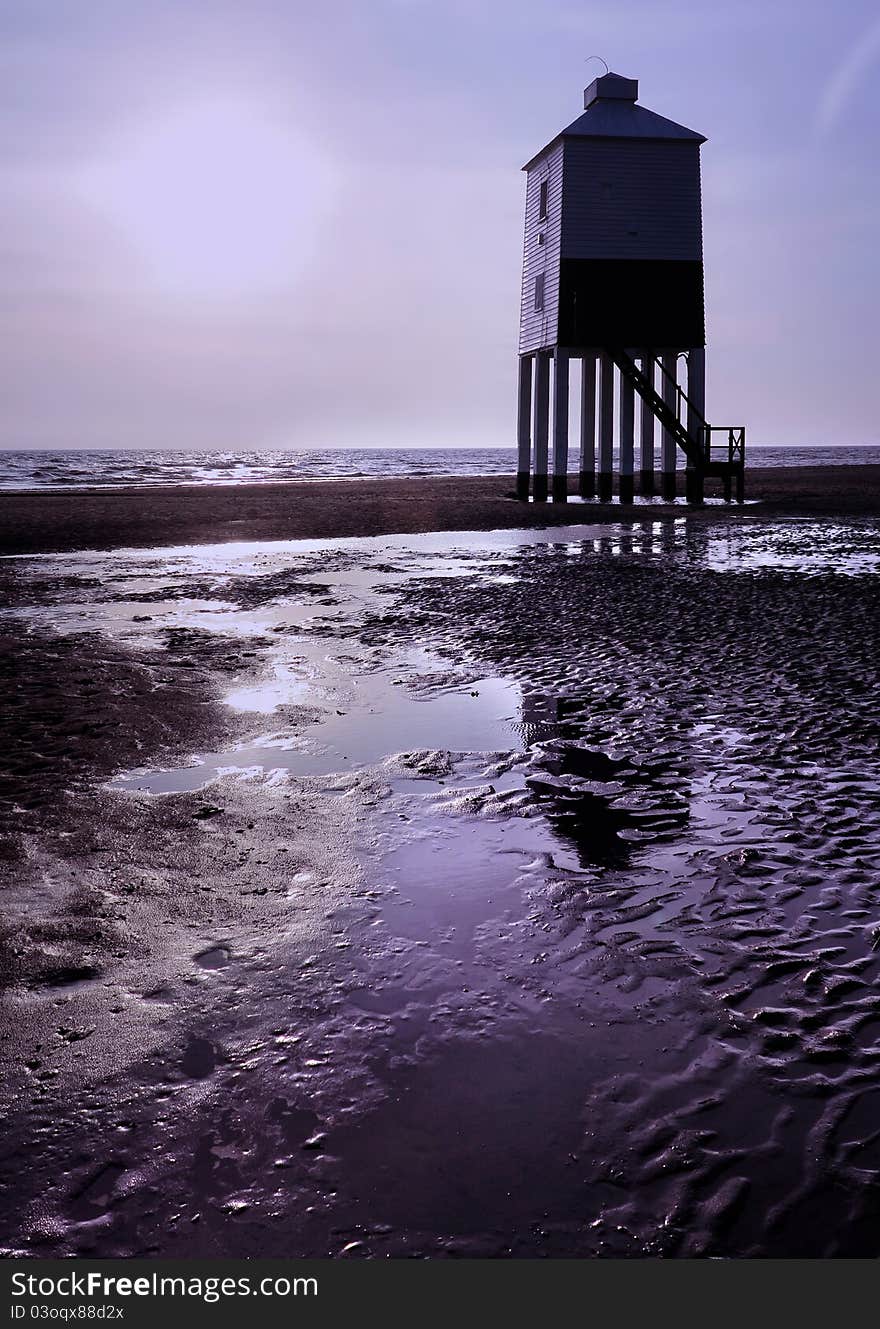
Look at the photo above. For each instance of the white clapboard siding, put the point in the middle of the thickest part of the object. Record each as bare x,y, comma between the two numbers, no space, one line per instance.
538,327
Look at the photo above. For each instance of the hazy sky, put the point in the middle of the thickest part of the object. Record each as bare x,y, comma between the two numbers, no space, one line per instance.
240,223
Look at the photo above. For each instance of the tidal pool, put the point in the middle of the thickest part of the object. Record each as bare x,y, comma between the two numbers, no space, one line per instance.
600,975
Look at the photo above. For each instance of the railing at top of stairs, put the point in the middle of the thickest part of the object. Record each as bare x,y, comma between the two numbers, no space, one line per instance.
696,443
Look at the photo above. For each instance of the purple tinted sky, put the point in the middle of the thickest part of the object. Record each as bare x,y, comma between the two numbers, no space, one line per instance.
281,223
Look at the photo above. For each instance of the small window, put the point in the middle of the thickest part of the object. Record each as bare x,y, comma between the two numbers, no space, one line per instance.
542,202
539,291
542,239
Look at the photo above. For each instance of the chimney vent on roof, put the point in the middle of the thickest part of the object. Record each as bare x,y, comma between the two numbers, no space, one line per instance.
611,87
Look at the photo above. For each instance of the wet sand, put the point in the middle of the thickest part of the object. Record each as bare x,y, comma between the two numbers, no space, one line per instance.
42,521
535,912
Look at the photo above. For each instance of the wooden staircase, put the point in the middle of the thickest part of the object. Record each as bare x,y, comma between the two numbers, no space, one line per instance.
694,438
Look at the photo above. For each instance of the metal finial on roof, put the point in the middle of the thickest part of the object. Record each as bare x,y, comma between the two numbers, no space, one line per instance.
599,58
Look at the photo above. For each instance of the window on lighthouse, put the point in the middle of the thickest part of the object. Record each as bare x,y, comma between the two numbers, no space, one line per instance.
542,202
539,291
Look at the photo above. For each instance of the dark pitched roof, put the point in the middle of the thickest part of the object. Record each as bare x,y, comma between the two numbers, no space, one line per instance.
614,117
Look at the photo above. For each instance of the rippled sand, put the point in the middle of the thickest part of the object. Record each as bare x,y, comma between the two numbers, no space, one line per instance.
524,900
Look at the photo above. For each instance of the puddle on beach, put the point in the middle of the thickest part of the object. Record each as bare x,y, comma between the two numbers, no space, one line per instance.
381,720
738,543
615,910
379,717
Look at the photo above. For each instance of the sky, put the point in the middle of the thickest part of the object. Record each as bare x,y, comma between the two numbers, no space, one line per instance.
274,223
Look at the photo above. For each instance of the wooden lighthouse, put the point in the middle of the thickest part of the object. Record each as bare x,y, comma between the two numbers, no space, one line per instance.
613,279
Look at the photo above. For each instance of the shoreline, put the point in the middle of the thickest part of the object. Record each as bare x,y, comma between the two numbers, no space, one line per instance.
58,521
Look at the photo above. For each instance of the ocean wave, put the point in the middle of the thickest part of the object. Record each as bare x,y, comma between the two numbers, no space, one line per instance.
113,468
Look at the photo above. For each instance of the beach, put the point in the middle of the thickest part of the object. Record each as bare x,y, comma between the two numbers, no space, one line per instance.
395,869
46,521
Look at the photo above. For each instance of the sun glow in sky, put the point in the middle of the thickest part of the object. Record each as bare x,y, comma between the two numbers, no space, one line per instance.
276,223
213,200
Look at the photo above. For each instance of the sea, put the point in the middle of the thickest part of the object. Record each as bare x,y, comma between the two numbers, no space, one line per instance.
89,468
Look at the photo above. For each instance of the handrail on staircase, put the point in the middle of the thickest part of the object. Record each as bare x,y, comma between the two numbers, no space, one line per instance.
669,418
697,433
681,395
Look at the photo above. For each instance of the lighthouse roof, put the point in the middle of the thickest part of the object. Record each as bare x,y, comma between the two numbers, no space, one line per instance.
611,111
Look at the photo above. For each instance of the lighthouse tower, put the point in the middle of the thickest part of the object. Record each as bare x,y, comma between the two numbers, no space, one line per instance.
613,279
